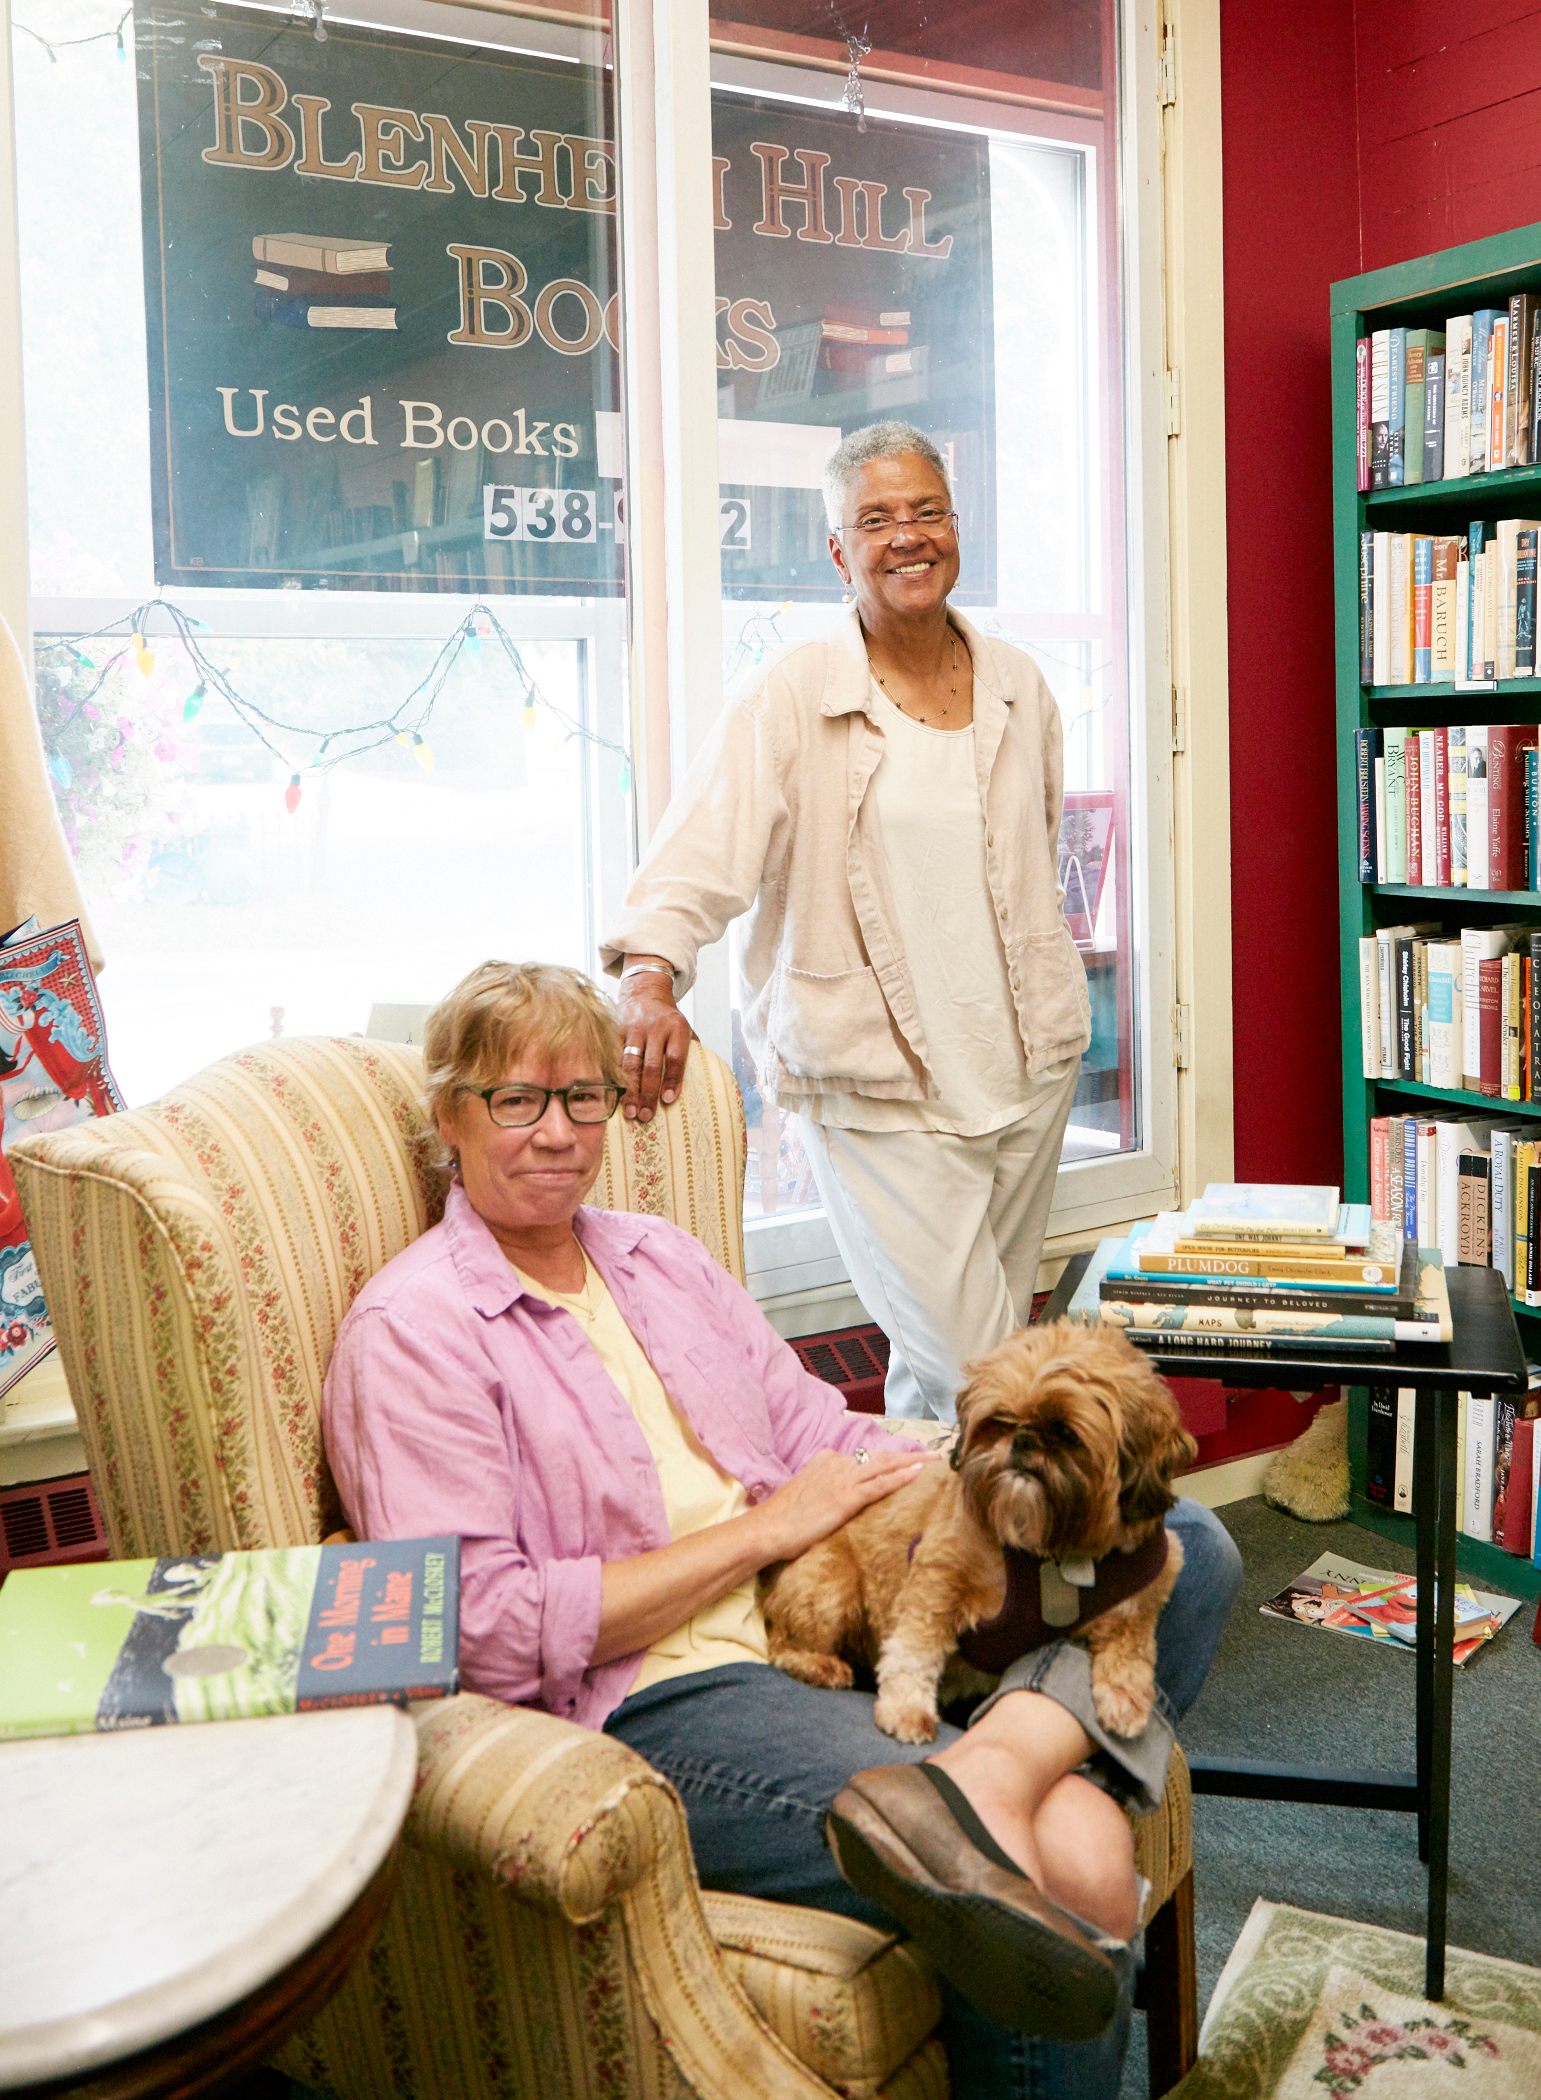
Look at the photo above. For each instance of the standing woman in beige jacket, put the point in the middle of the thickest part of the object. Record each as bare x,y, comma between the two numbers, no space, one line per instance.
882,807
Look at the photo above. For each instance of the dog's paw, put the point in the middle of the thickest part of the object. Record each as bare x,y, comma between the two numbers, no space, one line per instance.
828,1672
1122,1708
908,1720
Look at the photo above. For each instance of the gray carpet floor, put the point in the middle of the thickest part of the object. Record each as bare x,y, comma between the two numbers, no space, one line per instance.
1293,1692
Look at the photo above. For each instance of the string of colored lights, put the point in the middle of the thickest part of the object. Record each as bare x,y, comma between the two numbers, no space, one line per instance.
132,637
54,45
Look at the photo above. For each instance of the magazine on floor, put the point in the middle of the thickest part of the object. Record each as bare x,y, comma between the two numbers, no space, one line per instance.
1378,1604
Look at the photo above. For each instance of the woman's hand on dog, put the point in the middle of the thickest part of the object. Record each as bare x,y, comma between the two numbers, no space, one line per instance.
831,1489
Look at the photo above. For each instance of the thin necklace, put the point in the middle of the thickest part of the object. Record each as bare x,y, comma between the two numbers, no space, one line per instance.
952,693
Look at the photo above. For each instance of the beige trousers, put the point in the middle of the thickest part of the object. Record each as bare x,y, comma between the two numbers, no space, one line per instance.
942,1234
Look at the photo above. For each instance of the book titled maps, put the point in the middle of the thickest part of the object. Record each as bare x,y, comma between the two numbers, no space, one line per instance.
227,1636
308,280
1377,1604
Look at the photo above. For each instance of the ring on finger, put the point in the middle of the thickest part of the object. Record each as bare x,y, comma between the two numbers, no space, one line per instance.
631,1050
861,1455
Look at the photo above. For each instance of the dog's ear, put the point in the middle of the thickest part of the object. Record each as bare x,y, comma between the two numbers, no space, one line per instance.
1154,1447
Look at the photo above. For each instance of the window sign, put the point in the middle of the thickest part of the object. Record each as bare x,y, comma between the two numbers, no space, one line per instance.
384,315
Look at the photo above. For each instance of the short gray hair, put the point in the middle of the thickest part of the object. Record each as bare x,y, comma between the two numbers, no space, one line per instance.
873,441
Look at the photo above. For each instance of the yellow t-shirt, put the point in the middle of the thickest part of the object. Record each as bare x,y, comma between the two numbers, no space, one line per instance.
696,1491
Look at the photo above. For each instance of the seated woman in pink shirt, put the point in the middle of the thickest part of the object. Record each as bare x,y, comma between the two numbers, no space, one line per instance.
622,1443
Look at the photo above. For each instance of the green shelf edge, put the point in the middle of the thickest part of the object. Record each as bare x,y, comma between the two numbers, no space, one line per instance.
1439,891
1458,1097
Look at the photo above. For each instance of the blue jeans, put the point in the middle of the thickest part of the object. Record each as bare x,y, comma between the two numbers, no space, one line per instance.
757,1758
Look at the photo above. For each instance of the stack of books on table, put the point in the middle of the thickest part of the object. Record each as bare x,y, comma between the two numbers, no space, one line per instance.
1256,1268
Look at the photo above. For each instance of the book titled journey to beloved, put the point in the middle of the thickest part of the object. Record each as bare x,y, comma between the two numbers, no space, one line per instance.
227,1636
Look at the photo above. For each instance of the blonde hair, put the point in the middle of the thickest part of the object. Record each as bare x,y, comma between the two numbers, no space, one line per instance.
499,1012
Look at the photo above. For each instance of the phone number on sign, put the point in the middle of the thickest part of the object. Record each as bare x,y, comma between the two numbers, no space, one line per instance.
510,512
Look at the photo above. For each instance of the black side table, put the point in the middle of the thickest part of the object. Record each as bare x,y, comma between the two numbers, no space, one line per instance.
1483,1356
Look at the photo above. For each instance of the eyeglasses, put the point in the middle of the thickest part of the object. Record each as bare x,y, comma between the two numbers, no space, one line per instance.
518,1107
872,525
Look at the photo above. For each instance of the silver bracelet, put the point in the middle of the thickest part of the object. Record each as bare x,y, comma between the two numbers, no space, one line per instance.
648,970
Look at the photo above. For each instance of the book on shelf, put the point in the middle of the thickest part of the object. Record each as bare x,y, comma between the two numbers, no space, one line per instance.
1434,418
1379,1605
1476,805
1380,1446
1422,345
1483,322
227,1636
1396,406
1380,408
1478,1488
1402,1465
1362,416
1457,454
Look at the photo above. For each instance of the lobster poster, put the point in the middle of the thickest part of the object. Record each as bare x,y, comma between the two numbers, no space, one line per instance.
53,1072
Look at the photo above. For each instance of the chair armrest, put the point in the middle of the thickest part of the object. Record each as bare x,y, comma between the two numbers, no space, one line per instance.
570,1819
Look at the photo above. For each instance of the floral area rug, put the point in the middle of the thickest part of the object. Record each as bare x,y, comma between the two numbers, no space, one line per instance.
1317,2008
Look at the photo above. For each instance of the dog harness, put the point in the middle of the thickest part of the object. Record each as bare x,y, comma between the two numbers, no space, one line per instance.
1047,1598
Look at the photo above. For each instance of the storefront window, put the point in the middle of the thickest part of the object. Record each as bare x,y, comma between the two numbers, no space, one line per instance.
325,481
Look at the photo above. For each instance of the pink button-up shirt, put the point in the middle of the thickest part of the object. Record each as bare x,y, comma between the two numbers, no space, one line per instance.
457,1402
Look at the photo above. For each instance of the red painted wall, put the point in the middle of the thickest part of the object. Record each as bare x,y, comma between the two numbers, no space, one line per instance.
1449,123
1357,133
1291,227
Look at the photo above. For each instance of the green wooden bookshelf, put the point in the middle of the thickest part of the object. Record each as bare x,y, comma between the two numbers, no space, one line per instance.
1420,294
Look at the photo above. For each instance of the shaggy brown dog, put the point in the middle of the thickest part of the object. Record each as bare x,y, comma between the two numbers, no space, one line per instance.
1067,1446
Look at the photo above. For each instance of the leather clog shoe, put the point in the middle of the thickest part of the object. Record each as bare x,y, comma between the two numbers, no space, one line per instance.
905,1836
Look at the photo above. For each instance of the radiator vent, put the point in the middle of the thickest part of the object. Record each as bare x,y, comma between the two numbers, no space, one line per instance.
855,1359
49,1522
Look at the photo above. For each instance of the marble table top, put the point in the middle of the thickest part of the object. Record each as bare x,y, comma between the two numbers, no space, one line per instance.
149,1879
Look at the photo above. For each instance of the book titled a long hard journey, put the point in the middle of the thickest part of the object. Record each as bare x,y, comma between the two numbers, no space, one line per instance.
227,1636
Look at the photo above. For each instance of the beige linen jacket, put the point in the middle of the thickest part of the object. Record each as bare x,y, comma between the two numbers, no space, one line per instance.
773,821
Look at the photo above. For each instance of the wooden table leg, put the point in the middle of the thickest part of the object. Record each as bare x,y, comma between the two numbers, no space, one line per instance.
1171,1990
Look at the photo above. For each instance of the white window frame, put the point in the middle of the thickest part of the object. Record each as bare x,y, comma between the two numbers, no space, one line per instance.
1178,729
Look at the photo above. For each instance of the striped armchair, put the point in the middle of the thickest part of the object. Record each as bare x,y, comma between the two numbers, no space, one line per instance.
547,1939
